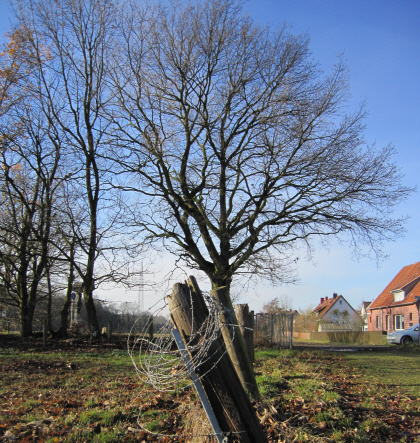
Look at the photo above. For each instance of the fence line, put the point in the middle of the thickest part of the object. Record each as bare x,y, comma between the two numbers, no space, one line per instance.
277,328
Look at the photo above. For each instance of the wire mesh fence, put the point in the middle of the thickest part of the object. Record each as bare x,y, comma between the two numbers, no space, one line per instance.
277,329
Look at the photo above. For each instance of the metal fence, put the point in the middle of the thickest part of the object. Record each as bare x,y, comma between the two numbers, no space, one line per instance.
275,328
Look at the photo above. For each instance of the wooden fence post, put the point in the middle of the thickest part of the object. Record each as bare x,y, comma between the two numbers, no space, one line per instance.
229,401
271,328
235,342
246,325
291,330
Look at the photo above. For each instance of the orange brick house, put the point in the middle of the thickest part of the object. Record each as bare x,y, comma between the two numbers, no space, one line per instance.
396,307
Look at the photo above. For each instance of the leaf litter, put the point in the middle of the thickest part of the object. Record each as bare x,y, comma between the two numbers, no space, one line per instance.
89,393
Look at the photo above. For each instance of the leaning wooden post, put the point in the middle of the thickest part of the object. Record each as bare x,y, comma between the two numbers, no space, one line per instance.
245,322
234,341
229,401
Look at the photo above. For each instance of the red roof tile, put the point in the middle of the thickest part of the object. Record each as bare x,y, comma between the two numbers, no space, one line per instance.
405,276
325,306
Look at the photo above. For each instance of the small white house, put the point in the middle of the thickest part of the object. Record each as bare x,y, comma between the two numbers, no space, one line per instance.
336,314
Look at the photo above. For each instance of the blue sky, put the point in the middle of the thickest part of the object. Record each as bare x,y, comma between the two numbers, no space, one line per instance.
379,40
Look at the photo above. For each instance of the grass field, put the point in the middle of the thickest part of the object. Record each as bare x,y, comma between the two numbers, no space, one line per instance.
91,393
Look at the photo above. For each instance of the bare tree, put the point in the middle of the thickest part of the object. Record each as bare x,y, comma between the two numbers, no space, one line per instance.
29,165
78,35
238,146
306,321
278,305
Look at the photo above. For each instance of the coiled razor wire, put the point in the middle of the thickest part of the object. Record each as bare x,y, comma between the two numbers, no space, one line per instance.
158,362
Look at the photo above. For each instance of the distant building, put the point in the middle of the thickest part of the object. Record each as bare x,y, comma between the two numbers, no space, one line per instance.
336,314
396,307
364,314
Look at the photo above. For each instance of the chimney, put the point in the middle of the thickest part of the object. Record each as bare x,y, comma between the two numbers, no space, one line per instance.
322,299
326,298
335,295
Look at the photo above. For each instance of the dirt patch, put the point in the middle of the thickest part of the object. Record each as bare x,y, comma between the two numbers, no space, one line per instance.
37,366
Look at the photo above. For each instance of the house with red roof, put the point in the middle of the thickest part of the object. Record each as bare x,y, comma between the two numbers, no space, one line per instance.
396,307
336,314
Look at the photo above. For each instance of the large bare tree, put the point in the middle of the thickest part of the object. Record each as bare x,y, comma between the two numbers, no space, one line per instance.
238,145
78,35
30,155
29,165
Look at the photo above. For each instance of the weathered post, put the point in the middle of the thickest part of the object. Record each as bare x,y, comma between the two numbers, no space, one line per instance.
222,386
291,330
234,341
271,328
246,326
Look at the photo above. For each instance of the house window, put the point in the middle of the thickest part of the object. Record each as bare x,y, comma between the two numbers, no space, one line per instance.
387,322
411,316
377,321
399,322
399,295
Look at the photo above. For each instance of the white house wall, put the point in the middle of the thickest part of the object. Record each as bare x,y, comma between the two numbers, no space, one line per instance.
342,305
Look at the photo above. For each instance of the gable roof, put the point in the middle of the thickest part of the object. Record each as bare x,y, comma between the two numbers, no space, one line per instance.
326,304
366,304
408,274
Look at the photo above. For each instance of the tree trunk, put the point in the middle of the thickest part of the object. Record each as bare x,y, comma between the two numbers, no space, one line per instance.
26,312
230,403
64,314
49,307
234,341
23,307
90,307
30,311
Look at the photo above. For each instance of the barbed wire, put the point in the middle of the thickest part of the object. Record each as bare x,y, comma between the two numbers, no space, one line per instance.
158,361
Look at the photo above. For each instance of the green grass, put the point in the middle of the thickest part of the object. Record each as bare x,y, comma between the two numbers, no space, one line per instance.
342,397
397,367
309,395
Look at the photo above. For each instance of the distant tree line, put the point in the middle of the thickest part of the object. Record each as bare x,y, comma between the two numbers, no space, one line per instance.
125,317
